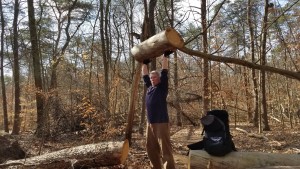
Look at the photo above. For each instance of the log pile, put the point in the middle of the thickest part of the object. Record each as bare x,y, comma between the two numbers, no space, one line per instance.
242,160
85,156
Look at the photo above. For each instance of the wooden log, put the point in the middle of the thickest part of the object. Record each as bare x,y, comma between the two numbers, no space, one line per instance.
278,167
240,160
155,46
85,156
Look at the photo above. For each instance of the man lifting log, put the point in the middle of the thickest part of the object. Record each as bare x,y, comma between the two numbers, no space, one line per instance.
158,143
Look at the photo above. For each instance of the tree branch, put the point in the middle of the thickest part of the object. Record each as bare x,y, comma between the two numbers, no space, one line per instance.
287,73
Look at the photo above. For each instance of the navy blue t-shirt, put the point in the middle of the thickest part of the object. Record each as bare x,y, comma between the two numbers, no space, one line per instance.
156,103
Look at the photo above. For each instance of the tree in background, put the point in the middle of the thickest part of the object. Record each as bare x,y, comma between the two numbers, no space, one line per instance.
250,16
3,88
16,72
105,49
263,55
41,128
206,99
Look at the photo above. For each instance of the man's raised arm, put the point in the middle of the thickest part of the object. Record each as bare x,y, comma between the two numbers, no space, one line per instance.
165,59
145,70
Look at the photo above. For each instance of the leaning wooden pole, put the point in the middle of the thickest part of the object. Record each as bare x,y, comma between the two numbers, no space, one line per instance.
155,46
241,160
85,156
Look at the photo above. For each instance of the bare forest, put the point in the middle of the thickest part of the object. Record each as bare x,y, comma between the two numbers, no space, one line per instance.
68,77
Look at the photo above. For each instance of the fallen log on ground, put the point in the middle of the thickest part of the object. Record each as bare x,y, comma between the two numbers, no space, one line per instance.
155,46
278,167
240,160
85,156
260,136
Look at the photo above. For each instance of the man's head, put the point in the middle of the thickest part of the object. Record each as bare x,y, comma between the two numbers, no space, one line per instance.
154,78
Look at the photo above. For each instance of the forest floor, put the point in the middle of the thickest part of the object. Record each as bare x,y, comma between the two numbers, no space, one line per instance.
279,140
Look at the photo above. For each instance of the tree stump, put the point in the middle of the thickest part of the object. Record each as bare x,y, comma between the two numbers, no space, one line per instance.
155,46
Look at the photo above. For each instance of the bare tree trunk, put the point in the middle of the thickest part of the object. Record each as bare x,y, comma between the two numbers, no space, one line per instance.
206,99
37,70
151,26
266,126
134,85
17,120
254,78
92,56
147,31
105,49
248,95
247,81
3,88
176,92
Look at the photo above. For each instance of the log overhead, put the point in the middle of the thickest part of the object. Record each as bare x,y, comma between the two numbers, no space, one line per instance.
155,46
241,160
85,156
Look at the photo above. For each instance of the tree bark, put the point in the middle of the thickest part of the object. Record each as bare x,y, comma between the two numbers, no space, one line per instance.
206,91
37,70
254,78
155,46
91,155
240,160
3,88
104,12
16,71
266,126
176,92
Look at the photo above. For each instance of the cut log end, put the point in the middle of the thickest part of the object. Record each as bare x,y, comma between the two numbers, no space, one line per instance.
174,38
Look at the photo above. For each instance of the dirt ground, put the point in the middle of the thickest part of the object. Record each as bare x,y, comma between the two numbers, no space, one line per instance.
280,140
